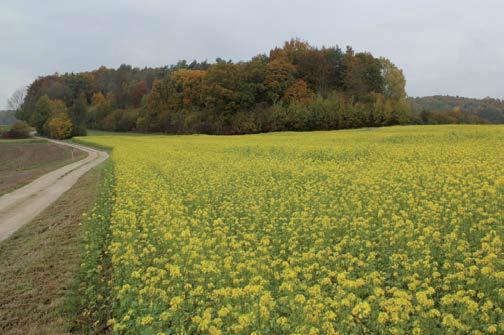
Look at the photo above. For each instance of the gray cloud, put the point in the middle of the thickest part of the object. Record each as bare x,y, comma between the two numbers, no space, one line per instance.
444,47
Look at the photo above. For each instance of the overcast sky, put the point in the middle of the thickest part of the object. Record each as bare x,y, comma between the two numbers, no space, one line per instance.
444,47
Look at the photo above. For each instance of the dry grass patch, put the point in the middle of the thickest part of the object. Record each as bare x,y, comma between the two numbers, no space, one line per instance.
23,161
39,262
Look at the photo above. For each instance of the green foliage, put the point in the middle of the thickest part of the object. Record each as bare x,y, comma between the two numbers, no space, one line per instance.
393,81
121,120
363,74
95,266
52,117
77,114
41,114
100,107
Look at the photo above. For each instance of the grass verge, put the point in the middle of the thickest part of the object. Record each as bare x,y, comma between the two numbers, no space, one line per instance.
39,264
22,140
93,289
83,141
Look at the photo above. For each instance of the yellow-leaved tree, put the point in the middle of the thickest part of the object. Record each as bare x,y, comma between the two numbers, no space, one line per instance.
60,127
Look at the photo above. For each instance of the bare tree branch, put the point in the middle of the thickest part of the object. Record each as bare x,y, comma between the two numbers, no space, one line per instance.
16,100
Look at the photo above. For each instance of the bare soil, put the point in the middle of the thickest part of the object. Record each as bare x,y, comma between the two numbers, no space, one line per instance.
24,161
21,206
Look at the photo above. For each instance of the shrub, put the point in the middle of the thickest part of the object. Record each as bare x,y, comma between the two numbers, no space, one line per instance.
243,123
60,127
121,120
18,130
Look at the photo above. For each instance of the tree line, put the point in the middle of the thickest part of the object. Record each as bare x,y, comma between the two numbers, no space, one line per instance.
294,87
448,109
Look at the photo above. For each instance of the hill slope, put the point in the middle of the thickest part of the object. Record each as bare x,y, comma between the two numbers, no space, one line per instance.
488,109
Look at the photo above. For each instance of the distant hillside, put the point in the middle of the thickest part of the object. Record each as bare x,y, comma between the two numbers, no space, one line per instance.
7,117
488,110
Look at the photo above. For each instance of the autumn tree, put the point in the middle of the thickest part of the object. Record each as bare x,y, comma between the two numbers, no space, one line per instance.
292,50
101,106
298,92
57,106
280,75
136,92
60,127
189,83
159,106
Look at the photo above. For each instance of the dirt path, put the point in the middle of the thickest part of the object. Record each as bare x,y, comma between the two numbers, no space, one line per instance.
24,204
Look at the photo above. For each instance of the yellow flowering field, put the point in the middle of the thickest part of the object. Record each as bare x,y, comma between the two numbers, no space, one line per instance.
375,231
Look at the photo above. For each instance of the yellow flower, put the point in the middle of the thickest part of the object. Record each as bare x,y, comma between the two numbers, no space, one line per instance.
382,317
361,310
451,322
223,312
146,320
300,299
282,321
214,331
300,232
175,302
165,316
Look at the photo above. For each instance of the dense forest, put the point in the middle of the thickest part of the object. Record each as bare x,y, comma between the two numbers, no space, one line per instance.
294,87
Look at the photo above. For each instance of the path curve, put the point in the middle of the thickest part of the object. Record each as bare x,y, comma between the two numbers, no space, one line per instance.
21,206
